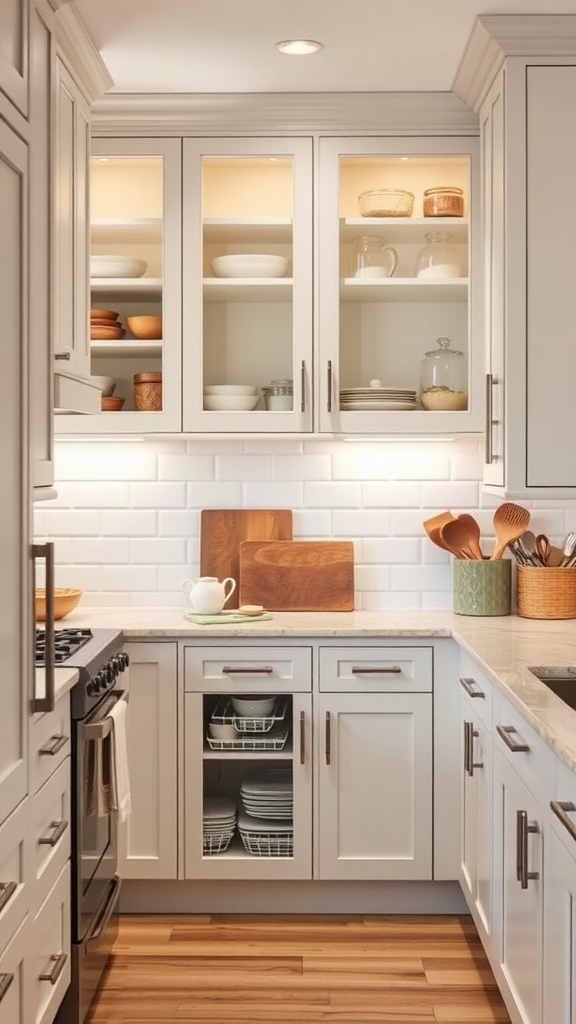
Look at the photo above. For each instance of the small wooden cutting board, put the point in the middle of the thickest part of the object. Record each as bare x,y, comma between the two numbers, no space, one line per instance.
223,529
298,575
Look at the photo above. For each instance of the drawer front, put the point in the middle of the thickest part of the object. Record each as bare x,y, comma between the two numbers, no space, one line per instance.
251,669
50,839
14,872
376,669
475,686
49,743
561,805
47,968
12,989
527,752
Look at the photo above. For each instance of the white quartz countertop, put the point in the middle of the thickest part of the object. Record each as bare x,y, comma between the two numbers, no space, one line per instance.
504,647
64,680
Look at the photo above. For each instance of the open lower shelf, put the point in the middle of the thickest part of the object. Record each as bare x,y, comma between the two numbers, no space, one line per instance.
244,289
395,230
403,289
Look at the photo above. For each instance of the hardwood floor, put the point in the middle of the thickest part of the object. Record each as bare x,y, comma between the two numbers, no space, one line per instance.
231,969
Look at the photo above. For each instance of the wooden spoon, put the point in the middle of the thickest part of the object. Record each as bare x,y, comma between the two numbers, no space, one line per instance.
510,522
462,537
434,525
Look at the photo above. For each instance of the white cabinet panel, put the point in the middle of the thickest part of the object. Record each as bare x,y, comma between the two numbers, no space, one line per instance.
48,958
13,1001
14,53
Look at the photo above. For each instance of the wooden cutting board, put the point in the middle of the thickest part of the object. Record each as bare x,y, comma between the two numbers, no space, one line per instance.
223,529
298,575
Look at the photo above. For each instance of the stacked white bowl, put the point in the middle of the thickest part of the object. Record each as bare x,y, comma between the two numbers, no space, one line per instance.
230,397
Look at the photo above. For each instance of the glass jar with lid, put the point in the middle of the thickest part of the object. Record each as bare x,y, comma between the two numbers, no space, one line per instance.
443,379
438,258
278,395
443,201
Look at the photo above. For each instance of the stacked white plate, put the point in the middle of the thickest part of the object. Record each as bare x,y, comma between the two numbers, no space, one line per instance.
219,823
377,399
266,808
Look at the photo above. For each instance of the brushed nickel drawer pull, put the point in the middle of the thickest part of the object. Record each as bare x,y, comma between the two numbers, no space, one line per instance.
302,738
55,743
5,982
467,747
48,701
303,387
523,830
59,830
7,890
471,687
329,387
489,457
59,960
364,670
505,731
327,737
230,670
561,809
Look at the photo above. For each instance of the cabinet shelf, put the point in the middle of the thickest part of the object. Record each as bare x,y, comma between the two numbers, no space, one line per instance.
403,229
142,229
120,287
239,229
249,755
403,289
126,349
242,289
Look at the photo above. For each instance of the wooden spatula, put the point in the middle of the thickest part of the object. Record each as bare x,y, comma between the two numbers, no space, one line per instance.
435,524
510,522
463,535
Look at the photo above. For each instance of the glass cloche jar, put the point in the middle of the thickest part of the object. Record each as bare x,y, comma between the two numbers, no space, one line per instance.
438,258
443,379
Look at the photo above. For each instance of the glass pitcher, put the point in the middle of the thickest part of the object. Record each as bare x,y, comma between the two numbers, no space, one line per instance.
373,258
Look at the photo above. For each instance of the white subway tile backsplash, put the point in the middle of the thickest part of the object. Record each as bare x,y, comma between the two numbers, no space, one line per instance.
360,523
466,461
242,467
373,601
311,523
332,495
185,467
392,494
71,523
158,495
457,495
388,550
421,577
170,578
129,577
104,494
212,494
109,462
177,523
129,523
372,577
273,494
154,550
301,467
99,550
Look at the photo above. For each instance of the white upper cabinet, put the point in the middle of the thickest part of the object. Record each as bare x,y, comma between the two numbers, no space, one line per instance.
376,323
13,57
247,266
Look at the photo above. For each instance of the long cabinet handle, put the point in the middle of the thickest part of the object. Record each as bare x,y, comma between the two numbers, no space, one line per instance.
59,830
230,670
303,387
59,960
327,737
329,386
489,448
470,734
471,687
364,670
505,732
55,743
46,703
523,830
467,747
561,809
5,982
7,890
302,738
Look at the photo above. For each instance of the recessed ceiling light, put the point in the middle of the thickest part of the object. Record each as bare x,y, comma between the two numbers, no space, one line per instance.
298,47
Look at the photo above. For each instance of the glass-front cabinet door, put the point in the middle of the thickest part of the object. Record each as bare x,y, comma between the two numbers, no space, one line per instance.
135,287
247,292
399,340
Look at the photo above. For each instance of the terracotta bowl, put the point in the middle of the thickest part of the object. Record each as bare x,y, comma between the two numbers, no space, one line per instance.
111,403
103,314
145,327
101,333
65,599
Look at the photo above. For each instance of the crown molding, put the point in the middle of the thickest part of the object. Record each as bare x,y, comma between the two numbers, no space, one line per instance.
497,36
78,51
385,113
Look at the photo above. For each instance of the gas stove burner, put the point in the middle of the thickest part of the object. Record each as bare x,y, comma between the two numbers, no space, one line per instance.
66,643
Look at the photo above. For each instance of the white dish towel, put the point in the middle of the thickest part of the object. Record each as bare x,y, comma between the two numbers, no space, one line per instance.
120,801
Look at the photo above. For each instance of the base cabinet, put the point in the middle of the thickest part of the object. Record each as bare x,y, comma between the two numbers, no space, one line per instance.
148,839
476,847
559,974
12,989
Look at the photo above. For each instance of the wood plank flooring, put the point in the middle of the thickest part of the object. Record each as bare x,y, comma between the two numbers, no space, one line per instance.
294,969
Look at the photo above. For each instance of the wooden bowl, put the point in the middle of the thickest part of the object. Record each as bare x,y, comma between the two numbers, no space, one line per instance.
111,403
146,328
103,314
65,599
99,333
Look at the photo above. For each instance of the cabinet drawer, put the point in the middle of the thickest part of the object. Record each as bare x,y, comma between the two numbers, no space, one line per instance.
12,977
512,735
476,687
14,872
375,669
49,743
251,669
47,967
50,834
561,804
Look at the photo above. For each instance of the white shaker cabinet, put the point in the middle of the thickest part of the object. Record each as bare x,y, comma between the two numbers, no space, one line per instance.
148,838
476,848
14,58
559,968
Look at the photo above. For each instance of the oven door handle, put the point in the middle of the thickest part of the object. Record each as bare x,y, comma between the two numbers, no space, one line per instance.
100,727
102,918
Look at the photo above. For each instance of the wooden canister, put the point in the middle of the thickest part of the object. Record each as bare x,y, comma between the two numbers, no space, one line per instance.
148,391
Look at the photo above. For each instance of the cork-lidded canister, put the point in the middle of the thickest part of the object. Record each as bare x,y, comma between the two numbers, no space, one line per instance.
148,392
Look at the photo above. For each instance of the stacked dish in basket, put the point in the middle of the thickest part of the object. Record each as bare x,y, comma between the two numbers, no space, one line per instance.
230,397
248,723
265,819
219,823
377,399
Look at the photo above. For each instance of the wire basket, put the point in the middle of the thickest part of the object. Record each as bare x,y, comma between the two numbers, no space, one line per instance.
268,844
216,843
546,592
224,712
274,739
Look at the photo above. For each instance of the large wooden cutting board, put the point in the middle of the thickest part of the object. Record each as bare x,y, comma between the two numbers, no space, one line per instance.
223,529
298,575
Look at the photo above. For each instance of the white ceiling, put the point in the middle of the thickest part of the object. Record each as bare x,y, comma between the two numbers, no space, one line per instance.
215,46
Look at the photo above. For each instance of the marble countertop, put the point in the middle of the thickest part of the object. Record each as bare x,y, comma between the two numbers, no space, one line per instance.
504,647
64,680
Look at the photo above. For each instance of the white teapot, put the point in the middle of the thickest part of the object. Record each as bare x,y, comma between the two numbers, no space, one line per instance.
208,594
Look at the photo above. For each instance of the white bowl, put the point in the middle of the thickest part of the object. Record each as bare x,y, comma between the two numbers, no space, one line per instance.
222,731
117,266
230,403
253,706
249,265
107,385
229,389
